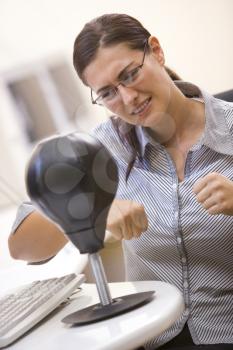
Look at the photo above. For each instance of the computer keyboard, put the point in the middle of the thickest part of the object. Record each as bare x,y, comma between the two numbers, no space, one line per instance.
22,309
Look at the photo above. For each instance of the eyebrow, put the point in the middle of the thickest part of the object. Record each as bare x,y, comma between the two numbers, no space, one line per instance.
122,72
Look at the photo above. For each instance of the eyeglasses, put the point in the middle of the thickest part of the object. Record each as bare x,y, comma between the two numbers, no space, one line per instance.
110,96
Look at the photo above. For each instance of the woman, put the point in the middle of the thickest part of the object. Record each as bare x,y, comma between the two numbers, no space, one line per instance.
174,208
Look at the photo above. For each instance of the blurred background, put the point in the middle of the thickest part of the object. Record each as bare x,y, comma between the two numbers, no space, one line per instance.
39,92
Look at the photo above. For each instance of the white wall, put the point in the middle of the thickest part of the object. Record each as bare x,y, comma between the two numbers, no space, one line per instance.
196,37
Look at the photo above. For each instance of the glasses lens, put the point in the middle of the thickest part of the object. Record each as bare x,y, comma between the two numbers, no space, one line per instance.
131,76
106,97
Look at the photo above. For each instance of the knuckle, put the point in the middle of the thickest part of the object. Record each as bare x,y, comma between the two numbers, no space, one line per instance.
217,185
227,205
221,197
137,230
124,216
212,175
137,206
205,206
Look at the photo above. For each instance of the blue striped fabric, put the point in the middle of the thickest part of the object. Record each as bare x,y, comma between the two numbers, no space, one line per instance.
184,245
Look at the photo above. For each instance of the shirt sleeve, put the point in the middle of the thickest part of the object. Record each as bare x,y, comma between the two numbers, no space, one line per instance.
23,211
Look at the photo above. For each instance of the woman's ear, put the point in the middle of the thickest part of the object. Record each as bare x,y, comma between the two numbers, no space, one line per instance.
156,49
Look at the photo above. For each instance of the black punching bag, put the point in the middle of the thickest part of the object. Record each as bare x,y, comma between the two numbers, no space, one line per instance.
73,180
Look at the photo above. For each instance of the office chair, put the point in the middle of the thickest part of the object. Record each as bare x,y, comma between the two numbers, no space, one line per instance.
225,95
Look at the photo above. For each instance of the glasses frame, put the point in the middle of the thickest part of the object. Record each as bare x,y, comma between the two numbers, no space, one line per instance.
95,101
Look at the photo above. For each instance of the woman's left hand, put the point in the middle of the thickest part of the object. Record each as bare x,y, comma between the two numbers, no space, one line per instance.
215,193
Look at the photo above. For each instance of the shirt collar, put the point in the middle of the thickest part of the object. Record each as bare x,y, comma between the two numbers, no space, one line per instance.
216,136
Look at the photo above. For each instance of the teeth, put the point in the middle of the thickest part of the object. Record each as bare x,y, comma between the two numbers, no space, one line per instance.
140,109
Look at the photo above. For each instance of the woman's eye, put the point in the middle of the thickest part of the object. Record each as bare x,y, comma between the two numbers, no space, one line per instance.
104,95
108,94
131,76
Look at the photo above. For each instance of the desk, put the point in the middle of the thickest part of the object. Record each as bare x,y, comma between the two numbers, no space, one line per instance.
124,332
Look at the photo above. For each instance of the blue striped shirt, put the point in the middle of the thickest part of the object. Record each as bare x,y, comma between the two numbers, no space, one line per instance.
184,245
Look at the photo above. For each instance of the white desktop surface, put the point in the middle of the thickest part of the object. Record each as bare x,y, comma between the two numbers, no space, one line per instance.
126,331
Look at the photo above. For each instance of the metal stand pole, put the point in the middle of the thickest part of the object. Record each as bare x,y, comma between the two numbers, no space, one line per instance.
100,278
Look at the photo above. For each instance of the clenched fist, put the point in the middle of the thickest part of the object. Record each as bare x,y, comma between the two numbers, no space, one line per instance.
126,219
215,193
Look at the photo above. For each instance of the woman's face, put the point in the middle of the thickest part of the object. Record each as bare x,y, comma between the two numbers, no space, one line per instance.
143,101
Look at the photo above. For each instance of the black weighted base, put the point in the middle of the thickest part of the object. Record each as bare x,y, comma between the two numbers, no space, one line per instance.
100,312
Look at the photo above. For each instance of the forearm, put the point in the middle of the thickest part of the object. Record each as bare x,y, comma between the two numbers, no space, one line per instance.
36,239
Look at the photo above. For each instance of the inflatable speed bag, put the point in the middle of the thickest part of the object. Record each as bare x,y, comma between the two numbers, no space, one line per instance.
73,180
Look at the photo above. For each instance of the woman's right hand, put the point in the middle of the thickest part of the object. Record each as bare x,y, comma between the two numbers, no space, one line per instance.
126,219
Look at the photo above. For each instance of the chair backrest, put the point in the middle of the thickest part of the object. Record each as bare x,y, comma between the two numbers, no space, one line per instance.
225,95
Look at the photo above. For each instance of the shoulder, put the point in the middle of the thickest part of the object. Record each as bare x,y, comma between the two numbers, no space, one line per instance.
220,111
105,131
227,109
227,106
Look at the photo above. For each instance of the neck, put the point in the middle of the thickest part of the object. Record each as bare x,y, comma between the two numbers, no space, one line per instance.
184,117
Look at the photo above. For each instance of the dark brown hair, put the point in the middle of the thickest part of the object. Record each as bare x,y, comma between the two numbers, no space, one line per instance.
104,31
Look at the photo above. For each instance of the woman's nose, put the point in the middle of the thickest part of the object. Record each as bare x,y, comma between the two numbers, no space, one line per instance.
127,94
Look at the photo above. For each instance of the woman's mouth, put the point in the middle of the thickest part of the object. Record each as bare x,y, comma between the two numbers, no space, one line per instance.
142,108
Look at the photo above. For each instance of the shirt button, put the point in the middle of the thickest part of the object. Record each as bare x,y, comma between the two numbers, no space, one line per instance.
185,284
186,312
176,214
179,240
174,186
184,260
